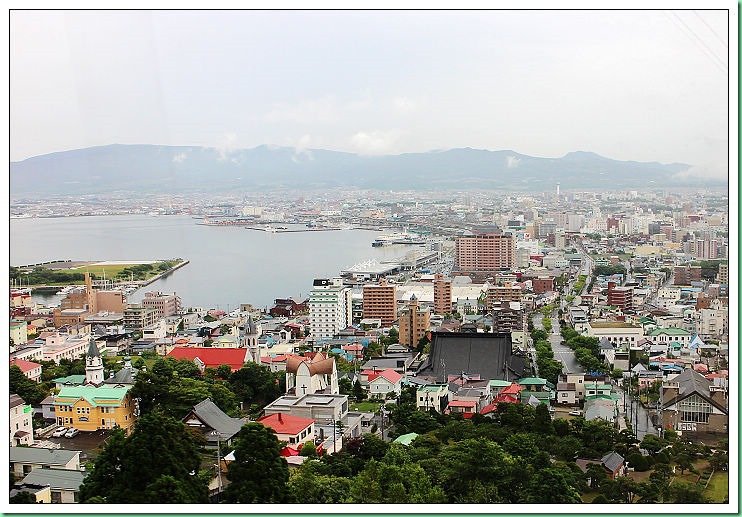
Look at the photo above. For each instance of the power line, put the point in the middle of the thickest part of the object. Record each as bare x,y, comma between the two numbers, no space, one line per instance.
711,29
719,63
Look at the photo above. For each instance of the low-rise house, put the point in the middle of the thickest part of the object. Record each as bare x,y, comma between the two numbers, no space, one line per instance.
433,396
25,459
30,369
291,429
384,383
613,464
466,407
42,493
566,394
21,421
64,484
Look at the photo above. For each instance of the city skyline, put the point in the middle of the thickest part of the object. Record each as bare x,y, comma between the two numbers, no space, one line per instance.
629,85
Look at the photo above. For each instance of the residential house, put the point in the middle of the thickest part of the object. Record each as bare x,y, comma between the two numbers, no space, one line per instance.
293,430
432,396
25,459
384,383
21,421
30,369
466,407
64,484
613,463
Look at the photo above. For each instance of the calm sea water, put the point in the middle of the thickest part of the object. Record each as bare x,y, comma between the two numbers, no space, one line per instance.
228,265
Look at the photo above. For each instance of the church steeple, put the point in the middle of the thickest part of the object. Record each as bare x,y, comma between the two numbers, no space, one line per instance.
93,365
251,339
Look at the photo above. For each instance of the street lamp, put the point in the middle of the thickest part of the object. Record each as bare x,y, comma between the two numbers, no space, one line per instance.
218,436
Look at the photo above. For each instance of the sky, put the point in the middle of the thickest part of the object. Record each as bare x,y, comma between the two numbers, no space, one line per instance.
629,85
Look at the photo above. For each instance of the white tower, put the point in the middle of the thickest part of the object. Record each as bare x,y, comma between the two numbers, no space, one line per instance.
93,365
251,339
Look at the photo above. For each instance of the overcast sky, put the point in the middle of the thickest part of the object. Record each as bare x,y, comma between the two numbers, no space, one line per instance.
630,85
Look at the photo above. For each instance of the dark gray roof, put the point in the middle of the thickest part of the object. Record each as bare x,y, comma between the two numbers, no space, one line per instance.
612,461
93,349
15,400
691,381
486,354
57,479
606,345
216,419
41,456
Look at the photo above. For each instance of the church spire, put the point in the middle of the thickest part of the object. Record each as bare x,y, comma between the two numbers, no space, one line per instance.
93,364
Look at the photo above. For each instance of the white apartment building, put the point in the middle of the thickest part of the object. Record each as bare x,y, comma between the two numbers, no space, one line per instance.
617,333
330,308
711,322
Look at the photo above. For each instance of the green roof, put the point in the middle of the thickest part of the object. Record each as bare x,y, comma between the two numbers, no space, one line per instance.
432,387
103,396
71,379
532,380
670,331
406,439
499,383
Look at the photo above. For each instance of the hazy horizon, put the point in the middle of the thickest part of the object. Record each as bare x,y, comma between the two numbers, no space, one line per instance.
638,85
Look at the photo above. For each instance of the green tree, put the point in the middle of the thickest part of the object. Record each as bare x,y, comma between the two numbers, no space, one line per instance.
160,455
308,450
23,498
223,371
258,474
551,485
681,492
345,385
31,392
358,392
309,486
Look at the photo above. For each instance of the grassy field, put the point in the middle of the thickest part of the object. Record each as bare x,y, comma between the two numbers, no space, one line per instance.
109,271
366,406
718,489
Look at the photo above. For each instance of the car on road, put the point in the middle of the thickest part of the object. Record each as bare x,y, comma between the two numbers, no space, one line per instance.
59,432
71,432
575,413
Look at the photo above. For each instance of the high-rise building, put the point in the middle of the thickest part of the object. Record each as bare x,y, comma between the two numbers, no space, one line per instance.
487,250
503,293
684,275
442,302
414,323
164,304
380,302
330,307
723,276
621,297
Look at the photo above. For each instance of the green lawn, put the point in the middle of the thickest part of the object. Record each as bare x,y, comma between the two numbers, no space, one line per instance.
718,489
366,406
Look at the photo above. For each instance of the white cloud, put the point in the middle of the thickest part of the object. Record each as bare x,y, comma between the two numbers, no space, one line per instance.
180,158
376,142
405,105
302,148
512,162
227,146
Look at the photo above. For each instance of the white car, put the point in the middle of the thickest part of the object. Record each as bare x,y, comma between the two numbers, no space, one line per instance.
59,432
71,433
575,413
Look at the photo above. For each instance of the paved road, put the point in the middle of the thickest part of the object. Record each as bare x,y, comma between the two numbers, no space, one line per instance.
639,416
561,352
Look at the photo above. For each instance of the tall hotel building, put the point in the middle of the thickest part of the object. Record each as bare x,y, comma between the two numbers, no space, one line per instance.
442,301
380,302
330,308
486,250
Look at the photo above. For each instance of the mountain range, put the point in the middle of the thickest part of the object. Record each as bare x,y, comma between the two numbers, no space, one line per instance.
174,169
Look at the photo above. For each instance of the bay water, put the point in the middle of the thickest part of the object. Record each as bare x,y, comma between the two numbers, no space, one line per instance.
229,265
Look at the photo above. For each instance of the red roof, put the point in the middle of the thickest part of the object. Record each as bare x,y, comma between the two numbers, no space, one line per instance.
211,357
286,424
462,403
25,366
513,389
388,374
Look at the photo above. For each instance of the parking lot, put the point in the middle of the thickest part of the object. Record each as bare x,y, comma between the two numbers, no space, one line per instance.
87,442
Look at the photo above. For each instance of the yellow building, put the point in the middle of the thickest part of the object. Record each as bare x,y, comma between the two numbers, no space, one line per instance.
89,408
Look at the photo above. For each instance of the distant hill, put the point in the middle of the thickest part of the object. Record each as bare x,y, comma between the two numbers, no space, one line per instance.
171,169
